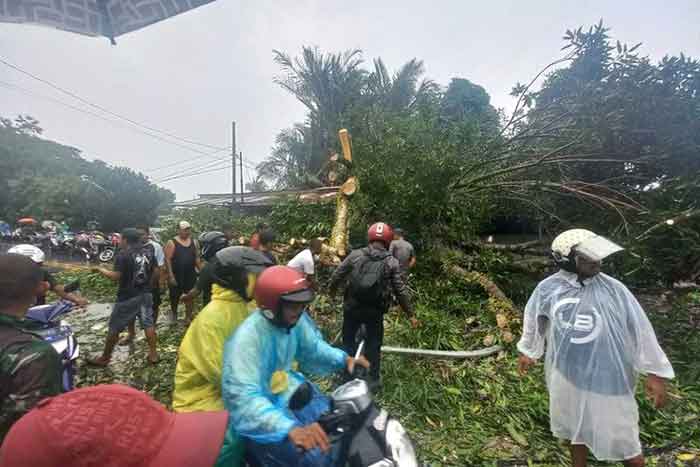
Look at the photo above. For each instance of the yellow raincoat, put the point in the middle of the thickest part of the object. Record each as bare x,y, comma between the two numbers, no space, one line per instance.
200,358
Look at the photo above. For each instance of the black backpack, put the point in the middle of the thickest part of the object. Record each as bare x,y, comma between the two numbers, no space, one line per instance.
367,279
144,261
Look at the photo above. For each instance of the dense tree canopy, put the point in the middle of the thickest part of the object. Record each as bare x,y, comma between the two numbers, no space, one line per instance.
47,180
597,138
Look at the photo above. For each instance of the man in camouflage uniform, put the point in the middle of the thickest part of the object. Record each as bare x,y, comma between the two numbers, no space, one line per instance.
30,369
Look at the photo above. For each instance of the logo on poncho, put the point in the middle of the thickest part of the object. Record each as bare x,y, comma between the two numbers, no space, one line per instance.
586,326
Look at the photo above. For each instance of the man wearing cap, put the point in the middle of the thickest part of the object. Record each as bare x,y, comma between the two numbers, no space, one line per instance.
112,426
182,261
598,340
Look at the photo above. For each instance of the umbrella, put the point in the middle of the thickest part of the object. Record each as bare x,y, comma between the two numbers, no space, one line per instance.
27,220
108,18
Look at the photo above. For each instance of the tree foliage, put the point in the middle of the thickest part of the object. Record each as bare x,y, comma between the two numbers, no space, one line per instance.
47,180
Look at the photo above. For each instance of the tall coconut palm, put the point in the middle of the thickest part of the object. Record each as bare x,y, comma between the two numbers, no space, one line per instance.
327,84
402,91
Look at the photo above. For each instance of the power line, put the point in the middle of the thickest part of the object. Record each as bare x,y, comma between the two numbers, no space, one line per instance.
180,173
186,170
183,161
105,110
196,173
25,91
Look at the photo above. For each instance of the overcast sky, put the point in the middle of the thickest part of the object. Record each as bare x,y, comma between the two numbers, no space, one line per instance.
193,74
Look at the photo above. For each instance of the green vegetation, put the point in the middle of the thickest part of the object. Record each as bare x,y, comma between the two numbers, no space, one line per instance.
471,412
47,180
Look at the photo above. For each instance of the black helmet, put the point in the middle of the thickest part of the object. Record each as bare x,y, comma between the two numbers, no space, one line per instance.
211,243
232,265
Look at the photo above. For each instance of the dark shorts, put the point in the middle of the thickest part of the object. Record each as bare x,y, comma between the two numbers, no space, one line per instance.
124,312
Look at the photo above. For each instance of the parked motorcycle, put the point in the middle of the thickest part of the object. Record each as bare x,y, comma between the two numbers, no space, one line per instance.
96,246
364,434
47,324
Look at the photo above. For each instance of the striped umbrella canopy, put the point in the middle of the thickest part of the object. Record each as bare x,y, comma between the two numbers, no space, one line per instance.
108,18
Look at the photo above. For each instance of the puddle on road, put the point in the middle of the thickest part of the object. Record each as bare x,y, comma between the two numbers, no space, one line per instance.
90,328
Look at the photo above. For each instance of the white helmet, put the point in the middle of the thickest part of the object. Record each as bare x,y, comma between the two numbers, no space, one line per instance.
30,251
590,244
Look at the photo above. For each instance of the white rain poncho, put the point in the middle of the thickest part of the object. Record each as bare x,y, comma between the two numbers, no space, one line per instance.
598,341
258,375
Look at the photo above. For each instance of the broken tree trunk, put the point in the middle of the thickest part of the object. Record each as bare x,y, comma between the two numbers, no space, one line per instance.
507,315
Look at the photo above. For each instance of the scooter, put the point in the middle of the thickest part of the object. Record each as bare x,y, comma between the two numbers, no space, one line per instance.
364,434
368,435
48,325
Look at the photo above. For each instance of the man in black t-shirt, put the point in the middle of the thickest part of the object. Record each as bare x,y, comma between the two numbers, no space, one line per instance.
136,269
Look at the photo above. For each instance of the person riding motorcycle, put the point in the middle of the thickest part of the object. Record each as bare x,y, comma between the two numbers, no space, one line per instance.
38,256
198,371
211,243
272,405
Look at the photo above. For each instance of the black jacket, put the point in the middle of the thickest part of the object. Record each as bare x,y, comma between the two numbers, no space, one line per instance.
392,277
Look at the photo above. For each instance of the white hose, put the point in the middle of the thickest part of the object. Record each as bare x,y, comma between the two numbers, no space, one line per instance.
444,353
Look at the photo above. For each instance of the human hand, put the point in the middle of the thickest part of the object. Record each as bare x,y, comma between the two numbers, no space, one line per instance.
172,281
186,298
414,322
524,364
309,437
81,301
656,390
351,362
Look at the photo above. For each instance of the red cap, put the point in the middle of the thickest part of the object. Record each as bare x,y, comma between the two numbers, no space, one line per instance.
380,232
109,426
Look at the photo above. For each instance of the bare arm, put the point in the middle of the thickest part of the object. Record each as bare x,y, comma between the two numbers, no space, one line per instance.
169,251
71,297
412,263
112,275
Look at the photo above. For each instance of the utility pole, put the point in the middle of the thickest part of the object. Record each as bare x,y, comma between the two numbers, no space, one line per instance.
233,165
242,186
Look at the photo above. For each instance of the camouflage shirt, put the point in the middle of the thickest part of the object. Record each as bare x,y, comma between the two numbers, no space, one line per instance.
30,370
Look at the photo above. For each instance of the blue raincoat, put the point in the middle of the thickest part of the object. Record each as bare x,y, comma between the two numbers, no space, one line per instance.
259,376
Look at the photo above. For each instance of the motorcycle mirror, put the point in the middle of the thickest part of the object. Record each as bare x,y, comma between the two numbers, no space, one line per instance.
71,286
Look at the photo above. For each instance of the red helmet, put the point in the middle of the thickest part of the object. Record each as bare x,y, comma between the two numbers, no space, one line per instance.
380,232
277,284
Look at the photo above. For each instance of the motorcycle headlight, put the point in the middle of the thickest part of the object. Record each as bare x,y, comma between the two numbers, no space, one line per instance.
400,445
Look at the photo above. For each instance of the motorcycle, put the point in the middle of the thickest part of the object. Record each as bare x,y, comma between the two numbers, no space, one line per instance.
364,434
48,325
94,245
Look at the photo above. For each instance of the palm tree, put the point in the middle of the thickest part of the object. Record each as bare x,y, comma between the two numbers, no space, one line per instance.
291,158
402,91
327,84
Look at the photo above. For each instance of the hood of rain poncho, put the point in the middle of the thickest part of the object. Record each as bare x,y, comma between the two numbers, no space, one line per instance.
200,357
259,375
598,339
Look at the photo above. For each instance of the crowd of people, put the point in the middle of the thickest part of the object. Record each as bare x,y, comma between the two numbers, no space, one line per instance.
246,356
